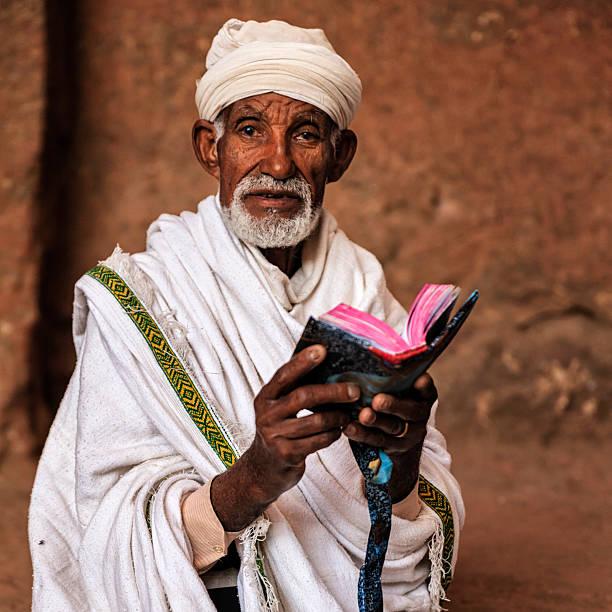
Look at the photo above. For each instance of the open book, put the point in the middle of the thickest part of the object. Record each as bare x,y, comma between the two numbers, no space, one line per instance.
365,350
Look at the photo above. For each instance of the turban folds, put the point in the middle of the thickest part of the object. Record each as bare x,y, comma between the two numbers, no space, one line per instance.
252,58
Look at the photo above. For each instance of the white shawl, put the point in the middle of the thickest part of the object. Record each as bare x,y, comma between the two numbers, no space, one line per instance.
123,445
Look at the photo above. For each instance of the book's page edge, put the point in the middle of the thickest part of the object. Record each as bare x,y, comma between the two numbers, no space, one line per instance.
344,313
434,313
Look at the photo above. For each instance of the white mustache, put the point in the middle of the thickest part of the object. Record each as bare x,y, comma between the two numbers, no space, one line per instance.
296,185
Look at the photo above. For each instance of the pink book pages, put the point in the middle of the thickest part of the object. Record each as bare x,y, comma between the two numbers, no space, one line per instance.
431,301
429,304
442,297
365,325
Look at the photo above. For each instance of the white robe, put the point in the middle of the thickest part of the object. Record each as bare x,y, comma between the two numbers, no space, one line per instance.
122,443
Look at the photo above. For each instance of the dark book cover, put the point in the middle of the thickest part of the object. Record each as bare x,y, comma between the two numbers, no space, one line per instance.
350,358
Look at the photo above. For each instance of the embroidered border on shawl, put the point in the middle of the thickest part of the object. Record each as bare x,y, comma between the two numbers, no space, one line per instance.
199,412
178,378
437,501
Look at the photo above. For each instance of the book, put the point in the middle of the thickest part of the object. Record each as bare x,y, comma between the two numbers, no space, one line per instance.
366,351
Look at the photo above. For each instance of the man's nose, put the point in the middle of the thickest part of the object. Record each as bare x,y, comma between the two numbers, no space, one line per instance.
278,160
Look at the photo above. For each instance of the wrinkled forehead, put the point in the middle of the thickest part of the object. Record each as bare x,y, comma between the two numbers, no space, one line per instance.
276,108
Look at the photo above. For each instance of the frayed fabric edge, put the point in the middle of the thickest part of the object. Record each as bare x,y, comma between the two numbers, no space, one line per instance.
241,435
121,262
254,533
437,572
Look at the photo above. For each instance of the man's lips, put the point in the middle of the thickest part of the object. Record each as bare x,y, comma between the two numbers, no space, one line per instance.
274,194
275,199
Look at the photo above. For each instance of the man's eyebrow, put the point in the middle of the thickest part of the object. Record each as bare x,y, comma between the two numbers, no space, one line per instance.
311,116
246,110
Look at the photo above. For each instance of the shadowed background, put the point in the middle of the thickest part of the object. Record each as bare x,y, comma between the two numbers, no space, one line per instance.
485,139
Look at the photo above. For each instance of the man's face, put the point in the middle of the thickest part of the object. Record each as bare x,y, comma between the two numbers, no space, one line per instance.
274,159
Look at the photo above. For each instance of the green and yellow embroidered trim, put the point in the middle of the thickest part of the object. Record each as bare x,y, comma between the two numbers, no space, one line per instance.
175,373
199,412
168,361
437,501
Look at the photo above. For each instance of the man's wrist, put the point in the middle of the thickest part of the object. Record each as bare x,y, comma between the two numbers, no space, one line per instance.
405,473
408,508
237,497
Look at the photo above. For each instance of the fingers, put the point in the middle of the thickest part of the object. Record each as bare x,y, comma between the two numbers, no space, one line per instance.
424,388
272,403
413,406
308,397
311,396
282,441
294,452
389,443
381,424
285,440
292,440
402,408
314,424
389,424
287,375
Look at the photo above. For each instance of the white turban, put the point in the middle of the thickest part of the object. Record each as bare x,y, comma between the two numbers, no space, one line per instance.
252,58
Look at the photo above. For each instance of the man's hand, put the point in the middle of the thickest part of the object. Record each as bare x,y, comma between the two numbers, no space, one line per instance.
275,461
398,426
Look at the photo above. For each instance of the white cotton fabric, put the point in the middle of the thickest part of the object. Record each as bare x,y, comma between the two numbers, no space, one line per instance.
252,58
122,437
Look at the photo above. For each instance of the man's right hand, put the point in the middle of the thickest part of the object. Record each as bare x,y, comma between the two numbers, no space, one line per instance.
276,459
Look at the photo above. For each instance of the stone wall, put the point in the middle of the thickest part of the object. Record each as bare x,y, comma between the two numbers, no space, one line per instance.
485,136
22,69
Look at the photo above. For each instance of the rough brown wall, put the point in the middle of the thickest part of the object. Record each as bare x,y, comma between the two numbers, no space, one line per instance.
485,136
485,139
22,62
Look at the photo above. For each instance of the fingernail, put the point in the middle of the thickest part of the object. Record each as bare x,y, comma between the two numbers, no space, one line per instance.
315,353
369,417
383,402
350,430
353,391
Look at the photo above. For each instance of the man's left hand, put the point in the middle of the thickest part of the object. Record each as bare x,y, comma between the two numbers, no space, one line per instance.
398,426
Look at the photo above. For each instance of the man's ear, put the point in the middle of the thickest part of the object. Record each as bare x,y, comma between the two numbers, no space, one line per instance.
345,151
204,142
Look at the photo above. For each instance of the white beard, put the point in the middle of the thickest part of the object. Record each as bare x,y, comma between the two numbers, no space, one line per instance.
272,231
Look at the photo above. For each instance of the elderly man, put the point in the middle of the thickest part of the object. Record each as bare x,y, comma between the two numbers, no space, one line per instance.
185,469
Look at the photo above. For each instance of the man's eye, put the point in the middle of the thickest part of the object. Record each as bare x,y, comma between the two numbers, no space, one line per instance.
307,136
248,130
